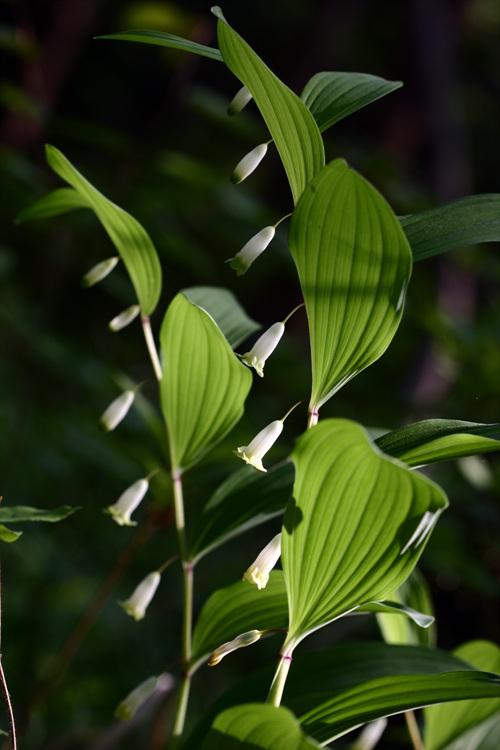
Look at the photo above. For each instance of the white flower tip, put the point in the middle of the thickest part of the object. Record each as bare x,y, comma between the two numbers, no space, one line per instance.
258,572
242,453
99,271
122,519
138,602
239,101
238,264
241,641
117,410
124,318
259,578
249,163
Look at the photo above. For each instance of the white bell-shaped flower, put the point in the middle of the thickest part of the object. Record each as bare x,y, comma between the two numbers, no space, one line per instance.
117,410
137,604
254,452
249,163
239,101
241,641
251,250
99,271
128,501
124,318
258,572
263,348
129,706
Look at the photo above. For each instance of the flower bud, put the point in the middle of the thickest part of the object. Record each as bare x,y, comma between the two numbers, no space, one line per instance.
370,735
129,706
263,348
128,502
241,641
124,318
258,572
117,410
249,163
239,101
254,452
99,271
255,246
138,602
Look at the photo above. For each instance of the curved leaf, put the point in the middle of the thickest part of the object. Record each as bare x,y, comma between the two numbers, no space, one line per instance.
354,265
443,724
440,440
467,221
484,736
7,535
24,514
402,611
247,498
331,96
414,594
162,39
129,237
225,309
59,201
357,527
290,123
237,609
204,385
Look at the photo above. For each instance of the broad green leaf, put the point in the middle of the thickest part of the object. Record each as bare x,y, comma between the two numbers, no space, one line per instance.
467,221
290,123
257,726
7,535
354,265
162,39
204,385
484,736
24,514
59,201
440,440
331,96
356,528
396,629
129,237
236,609
225,309
247,498
444,724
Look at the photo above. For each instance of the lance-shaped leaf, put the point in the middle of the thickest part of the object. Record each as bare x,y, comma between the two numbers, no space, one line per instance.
247,498
290,123
225,309
444,724
354,265
257,726
356,528
7,535
237,609
440,440
25,514
162,39
55,203
467,221
414,593
129,237
204,385
331,96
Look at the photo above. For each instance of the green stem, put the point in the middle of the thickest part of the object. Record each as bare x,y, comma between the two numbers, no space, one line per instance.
312,418
150,343
279,679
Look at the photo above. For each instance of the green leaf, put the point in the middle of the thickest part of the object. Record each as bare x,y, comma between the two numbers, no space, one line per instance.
162,39
225,309
414,594
467,221
247,498
444,724
60,201
401,611
24,514
129,237
331,96
440,440
290,123
257,726
9,536
356,529
236,609
204,385
483,736
354,265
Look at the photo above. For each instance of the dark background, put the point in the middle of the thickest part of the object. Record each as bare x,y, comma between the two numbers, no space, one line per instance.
148,127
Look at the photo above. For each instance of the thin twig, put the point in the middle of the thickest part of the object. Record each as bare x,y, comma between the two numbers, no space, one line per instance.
414,731
150,343
5,688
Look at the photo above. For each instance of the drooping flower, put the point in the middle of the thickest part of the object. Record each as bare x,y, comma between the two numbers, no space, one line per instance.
258,572
263,348
254,452
129,706
117,410
124,318
239,101
128,501
370,735
99,271
241,641
249,163
141,597
251,250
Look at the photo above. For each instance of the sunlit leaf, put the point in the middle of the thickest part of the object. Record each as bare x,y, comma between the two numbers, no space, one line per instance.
129,237
444,724
398,629
24,514
354,265
331,96
59,201
7,535
401,610
225,309
356,528
290,123
162,39
204,385
467,221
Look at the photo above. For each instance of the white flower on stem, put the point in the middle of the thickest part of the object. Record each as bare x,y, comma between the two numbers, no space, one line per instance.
124,318
263,348
254,452
249,163
370,735
99,271
117,410
239,101
128,501
258,572
129,706
251,250
141,597
241,641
